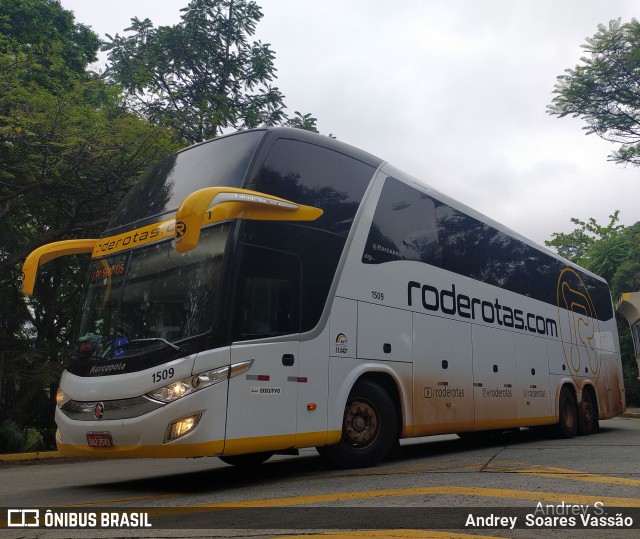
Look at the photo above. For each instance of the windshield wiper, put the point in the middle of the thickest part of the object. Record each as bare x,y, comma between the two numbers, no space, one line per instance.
152,339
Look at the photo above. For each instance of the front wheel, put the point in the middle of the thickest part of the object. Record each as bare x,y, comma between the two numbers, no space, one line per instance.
567,426
369,428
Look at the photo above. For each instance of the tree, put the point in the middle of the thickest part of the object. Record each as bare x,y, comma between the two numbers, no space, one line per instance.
203,75
598,248
604,89
612,251
303,121
69,150
46,37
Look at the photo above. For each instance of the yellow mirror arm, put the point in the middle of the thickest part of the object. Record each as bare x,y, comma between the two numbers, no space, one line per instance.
213,204
49,252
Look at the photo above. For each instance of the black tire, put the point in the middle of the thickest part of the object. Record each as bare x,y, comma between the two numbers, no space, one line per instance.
588,421
369,428
248,460
567,426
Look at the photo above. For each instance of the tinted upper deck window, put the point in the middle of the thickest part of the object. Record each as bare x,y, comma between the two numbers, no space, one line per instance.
403,227
309,174
220,162
410,225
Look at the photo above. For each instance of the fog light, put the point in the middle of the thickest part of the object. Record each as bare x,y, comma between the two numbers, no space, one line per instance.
182,426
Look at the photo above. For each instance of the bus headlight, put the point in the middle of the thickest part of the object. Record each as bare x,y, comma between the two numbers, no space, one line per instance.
172,392
61,398
186,386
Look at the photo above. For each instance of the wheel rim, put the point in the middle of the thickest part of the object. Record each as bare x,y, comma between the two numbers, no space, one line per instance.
360,424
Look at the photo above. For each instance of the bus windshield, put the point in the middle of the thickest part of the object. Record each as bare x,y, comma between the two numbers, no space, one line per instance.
152,296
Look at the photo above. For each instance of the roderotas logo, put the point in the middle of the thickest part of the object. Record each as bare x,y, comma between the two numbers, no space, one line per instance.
578,325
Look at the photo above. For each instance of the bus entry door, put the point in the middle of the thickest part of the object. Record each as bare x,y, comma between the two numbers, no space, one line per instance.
261,410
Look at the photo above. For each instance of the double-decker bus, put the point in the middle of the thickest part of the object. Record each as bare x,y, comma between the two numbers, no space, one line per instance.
275,289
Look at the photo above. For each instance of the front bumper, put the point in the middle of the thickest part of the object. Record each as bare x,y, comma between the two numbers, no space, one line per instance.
143,436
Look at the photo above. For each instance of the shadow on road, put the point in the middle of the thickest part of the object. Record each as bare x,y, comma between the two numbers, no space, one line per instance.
310,465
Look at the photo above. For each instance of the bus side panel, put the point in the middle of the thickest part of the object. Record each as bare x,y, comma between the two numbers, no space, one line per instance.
532,389
610,387
443,371
493,376
383,332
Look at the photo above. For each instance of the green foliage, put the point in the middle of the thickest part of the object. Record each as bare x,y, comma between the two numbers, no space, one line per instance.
12,438
612,251
303,121
33,440
69,150
68,158
603,89
601,249
43,35
201,76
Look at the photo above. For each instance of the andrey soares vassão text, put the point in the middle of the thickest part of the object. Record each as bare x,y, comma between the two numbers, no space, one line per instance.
561,515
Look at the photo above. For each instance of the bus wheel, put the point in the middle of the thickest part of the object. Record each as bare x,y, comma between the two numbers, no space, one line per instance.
587,415
369,428
248,460
568,424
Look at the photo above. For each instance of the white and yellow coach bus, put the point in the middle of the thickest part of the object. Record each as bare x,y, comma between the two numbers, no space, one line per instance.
275,289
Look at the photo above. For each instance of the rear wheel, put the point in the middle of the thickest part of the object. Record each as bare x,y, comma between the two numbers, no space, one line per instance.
567,426
588,414
248,460
369,428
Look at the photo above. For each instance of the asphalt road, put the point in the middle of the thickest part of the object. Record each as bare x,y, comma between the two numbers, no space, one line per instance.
433,484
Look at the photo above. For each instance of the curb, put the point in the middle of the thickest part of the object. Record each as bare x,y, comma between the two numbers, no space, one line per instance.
633,415
38,455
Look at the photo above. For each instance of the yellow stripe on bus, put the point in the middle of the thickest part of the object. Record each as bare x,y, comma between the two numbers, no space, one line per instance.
205,449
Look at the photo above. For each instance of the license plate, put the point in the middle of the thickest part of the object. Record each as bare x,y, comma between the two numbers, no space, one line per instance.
99,439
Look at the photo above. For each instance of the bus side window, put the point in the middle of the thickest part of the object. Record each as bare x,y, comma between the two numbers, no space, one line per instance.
403,227
268,298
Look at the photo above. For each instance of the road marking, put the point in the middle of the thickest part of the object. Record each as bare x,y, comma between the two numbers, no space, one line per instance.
508,466
502,494
561,473
95,503
567,498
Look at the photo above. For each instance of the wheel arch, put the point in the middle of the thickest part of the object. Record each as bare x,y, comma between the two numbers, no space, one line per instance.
387,382
560,386
396,383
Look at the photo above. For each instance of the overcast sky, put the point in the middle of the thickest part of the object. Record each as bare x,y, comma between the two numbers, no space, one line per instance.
453,92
